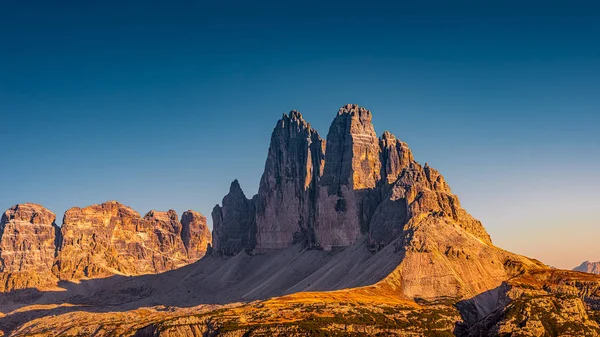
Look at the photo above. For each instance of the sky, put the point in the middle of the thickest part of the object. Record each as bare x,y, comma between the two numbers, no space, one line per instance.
161,104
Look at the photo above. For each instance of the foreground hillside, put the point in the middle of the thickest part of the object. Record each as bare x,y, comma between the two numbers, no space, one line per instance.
346,237
538,303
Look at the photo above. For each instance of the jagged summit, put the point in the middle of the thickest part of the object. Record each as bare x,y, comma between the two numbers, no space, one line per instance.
294,165
233,222
161,215
294,115
235,187
355,109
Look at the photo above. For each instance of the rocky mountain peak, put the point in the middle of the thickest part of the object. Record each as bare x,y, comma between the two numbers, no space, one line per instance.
352,169
28,236
236,189
352,156
195,234
294,115
234,225
285,201
29,212
362,113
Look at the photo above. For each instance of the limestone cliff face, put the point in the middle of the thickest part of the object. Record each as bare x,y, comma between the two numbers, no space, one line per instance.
93,238
27,238
111,238
234,226
352,169
285,207
395,157
95,241
195,234
165,230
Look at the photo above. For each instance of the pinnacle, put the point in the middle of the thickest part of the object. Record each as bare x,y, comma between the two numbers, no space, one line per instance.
235,186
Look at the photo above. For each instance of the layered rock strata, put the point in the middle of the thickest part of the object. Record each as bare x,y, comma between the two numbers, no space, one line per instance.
352,170
28,238
28,235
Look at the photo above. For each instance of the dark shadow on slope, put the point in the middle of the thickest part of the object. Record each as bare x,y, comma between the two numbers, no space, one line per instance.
211,280
481,312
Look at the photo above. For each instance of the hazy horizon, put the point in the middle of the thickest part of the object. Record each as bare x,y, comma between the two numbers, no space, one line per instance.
161,106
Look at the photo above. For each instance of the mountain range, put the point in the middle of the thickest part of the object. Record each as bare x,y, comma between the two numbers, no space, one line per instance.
347,236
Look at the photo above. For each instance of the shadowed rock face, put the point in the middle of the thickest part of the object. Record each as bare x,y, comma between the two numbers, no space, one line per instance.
285,205
395,156
234,226
195,234
27,238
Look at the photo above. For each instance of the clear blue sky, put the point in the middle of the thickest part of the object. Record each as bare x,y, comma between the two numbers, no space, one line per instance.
161,104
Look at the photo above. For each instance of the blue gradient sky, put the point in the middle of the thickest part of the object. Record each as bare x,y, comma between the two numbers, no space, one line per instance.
161,105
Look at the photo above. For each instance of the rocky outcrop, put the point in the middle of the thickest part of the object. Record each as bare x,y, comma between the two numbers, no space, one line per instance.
544,302
234,226
589,267
27,238
285,207
195,234
419,190
395,157
111,238
352,169
164,231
